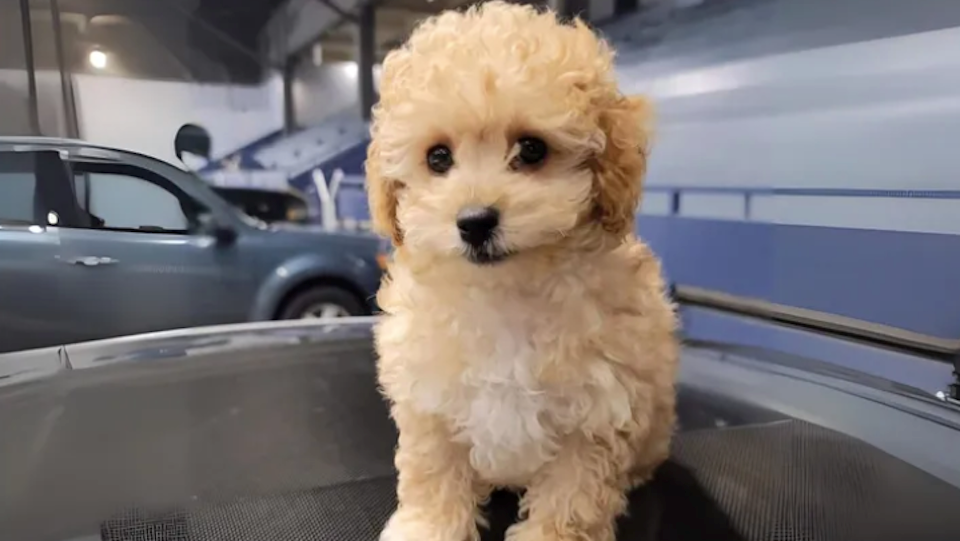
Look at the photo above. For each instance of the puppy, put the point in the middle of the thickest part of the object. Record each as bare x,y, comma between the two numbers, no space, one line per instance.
527,342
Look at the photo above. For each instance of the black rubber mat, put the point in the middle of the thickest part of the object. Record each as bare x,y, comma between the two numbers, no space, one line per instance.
297,446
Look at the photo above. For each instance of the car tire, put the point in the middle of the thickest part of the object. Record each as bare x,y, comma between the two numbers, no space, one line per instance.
322,301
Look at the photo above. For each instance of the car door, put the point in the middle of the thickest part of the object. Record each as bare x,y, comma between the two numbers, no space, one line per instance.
138,264
32,184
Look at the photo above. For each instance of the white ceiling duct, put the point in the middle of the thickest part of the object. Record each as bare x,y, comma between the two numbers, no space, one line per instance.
110,20
74,19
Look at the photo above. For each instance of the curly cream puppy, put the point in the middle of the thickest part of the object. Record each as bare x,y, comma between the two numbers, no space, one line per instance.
527,341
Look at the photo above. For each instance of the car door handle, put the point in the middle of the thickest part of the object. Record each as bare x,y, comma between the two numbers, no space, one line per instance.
92,261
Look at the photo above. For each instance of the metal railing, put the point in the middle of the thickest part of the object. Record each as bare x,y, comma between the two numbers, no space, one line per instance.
749,193
938,347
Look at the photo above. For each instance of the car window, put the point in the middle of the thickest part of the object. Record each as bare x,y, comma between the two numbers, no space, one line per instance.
18,186
123,197
80,183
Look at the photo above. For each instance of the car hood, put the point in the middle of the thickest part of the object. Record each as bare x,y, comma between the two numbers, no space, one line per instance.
316,229
308,233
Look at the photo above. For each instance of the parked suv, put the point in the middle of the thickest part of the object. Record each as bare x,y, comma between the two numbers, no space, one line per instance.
97,242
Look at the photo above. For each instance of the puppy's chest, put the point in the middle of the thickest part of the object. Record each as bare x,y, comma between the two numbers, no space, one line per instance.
497,403
511,421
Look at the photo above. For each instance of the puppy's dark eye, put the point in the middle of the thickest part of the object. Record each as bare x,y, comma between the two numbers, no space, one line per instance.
439,159
532,152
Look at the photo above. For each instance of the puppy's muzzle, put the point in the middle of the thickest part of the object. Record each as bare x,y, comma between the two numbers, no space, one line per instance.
478,225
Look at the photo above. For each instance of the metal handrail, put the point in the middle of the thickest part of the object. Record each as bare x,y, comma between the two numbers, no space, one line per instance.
807,192
750,192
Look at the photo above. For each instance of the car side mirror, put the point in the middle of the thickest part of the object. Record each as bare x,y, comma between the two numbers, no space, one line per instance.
210,226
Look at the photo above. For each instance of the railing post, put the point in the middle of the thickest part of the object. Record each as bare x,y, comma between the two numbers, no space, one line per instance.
367,57
66,75
675,203
289,105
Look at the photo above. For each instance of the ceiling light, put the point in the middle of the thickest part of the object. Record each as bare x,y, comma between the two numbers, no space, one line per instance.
98,59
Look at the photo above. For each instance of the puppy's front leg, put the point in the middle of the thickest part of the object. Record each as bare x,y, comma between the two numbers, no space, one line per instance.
437,492
577,497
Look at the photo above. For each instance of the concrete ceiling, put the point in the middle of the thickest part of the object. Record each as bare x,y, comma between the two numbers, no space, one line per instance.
204,40
197,40
395,20
304,28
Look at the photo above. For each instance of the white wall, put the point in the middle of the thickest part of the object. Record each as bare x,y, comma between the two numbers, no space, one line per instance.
144,116
322,91
877,112
14,103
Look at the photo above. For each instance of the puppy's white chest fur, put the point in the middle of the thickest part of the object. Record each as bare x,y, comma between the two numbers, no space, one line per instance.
503,413
513,371
498,403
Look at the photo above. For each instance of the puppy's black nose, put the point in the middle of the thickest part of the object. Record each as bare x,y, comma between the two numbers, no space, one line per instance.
477,224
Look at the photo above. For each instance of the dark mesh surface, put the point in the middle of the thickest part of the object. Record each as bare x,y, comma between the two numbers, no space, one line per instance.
794,481
787,481
344,512
296,445
188,434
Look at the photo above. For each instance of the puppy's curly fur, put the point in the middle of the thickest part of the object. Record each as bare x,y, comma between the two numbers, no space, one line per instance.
551,370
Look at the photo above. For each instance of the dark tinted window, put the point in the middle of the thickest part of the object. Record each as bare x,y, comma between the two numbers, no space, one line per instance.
18,187
269,206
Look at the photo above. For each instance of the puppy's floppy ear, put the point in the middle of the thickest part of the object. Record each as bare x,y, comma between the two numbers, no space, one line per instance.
382,194
620,167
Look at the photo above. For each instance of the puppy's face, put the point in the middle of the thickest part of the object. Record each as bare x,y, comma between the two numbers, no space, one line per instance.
491,188
501,130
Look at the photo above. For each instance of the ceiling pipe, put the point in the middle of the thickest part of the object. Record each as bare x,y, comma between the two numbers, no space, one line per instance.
27,25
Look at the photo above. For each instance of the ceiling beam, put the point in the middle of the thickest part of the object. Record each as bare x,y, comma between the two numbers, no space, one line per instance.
339,11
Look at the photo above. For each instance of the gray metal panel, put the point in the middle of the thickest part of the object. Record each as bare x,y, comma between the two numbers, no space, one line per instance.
924,433
263,431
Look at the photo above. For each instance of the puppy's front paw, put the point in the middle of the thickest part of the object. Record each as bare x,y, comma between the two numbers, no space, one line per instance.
411,526
403,527
532,531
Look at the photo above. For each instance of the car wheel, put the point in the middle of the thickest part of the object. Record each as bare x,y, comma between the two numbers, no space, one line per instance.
323,302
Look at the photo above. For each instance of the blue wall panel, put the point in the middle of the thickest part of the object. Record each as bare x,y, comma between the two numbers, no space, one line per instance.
906,280
350,161
733,257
